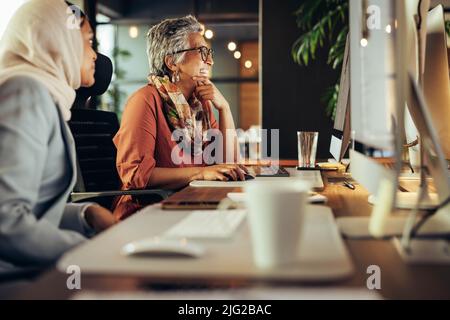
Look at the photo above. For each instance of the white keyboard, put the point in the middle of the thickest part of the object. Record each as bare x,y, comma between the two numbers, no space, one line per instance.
313,177
207,224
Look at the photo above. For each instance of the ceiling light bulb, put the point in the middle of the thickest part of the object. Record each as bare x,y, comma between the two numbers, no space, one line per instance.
209,34
232,46
134,32
364,42
388,28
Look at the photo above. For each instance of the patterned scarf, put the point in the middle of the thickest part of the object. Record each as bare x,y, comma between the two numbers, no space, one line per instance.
189,117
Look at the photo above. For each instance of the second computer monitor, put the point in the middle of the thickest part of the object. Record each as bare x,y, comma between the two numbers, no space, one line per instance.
340,138
436,84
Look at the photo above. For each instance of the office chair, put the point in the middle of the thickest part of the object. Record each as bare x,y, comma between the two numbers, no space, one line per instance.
93,131
97,176
103,75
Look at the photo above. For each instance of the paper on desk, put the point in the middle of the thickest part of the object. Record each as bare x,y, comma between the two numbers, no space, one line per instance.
240,197
264,293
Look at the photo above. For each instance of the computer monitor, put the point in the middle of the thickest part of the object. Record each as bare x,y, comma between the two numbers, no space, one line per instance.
377,94
374,92
398,85
428,103
432,115
340,139
427,61
436,84
416,23
434,154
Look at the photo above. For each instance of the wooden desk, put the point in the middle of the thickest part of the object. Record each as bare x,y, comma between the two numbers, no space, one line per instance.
398,280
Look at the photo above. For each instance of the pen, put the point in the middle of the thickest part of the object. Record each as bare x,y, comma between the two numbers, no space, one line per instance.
349,185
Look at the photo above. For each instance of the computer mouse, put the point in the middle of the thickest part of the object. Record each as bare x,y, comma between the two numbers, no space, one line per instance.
248,176
157,247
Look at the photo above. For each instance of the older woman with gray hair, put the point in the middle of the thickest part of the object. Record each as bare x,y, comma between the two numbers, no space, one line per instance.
157,144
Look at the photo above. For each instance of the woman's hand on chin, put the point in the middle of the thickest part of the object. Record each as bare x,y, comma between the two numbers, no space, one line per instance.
205,91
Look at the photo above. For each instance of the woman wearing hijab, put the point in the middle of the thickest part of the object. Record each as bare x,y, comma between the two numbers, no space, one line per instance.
45,54
177,104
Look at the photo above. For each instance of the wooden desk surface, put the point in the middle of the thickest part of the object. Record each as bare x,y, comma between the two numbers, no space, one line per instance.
398,280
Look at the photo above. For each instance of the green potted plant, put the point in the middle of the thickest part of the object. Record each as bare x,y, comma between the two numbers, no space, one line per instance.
322,22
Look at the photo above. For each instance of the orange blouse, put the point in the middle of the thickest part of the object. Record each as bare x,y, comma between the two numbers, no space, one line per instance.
144,141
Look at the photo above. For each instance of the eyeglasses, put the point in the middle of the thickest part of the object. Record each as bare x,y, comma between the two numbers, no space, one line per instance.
204,51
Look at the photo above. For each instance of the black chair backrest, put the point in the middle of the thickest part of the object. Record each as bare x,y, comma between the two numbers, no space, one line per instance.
93,131
103,74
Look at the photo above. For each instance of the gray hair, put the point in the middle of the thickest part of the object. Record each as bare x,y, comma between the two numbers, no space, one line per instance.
167,37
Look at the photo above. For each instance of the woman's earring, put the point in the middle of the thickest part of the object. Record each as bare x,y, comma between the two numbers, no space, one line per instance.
175,77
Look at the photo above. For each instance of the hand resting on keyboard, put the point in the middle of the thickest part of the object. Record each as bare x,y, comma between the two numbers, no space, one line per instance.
223,172
247,176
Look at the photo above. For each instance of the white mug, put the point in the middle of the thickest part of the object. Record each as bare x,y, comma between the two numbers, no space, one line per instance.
275,215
